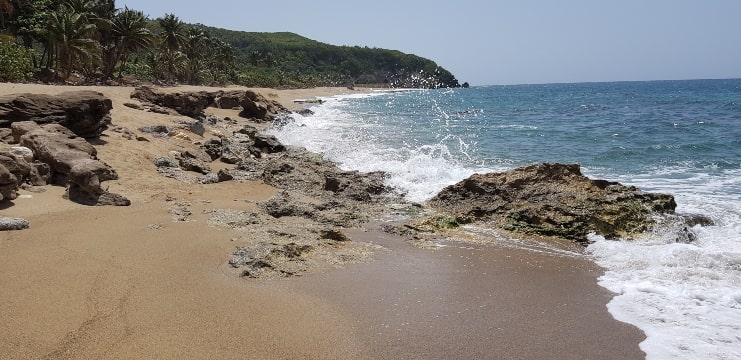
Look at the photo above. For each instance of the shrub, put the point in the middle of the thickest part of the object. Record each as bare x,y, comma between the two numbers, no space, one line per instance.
15,61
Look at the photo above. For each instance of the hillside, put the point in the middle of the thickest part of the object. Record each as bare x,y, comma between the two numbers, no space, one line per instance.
95,42
285,58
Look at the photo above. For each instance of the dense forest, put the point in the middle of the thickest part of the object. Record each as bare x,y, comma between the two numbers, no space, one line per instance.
94,42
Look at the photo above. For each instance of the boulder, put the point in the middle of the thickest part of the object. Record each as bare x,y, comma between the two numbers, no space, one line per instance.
213,147
86,113
21,128
190,104
58,147
553,200
256,106
85,179
195,161
7,224
268,143
8,185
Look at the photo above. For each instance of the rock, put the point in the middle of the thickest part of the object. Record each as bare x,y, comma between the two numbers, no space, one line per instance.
213,147
133,106
21,128
85,179
268,143
285,259
210,178
7,224
6,136
8,185
284,204
333,235
22,152
195,161
194,126
40,174
224,175
165,162
553,200
161,130
256,106
58,147
248,130
228,99
16,166
190,104
85,113
305,112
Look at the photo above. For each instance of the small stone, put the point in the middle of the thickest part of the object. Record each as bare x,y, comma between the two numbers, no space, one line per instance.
7,223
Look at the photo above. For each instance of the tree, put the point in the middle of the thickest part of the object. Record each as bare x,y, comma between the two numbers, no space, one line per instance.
196,41
69,38
171,34
129,34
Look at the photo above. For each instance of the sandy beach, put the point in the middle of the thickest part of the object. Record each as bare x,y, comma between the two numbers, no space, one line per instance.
130,283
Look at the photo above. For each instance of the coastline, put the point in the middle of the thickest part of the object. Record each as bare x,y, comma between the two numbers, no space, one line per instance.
97,282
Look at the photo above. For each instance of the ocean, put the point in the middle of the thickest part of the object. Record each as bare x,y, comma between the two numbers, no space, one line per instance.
676,137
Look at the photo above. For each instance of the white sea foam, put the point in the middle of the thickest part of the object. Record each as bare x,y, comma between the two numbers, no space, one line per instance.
418,171
685,297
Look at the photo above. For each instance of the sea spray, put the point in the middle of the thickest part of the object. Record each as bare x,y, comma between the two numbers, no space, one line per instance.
676,137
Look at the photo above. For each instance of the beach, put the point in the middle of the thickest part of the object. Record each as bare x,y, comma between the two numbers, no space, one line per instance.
130,283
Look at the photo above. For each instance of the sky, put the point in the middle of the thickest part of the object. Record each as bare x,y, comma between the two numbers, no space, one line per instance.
491,42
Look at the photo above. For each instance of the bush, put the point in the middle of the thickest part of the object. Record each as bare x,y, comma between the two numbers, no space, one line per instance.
15,62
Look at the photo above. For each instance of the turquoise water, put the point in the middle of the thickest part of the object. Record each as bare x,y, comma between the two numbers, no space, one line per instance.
677,137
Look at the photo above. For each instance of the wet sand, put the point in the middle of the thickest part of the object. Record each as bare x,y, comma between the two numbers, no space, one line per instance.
467,301
129,283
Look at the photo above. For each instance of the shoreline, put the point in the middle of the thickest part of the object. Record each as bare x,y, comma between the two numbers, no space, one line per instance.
113,287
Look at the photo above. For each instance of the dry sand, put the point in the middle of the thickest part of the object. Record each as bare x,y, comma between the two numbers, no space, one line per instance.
129,283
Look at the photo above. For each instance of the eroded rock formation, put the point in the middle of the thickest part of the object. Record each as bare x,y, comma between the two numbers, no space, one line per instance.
553,200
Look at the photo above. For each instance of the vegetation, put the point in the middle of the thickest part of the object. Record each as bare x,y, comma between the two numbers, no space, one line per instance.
92,40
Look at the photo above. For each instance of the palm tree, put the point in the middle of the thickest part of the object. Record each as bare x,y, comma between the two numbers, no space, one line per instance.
130,34
169,64
172,32
69,37
196,42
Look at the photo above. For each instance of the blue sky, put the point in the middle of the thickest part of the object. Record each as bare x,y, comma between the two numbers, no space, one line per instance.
489,42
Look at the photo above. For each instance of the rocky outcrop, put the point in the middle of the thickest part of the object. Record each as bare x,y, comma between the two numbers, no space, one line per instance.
256,106
553,200
192,104
71,162
85,113
185,103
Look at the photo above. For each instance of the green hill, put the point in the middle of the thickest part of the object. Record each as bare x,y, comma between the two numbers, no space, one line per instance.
94,41
288,59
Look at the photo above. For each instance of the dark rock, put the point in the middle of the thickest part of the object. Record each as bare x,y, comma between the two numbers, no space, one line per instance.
224,175
553,200
305,112
213,147
156,129
195,161
194,126
133,106
85,113
228,99
9,224
268,143
692,220
248,130
256,106
284,204
165,162
333,235
85,180
190,104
